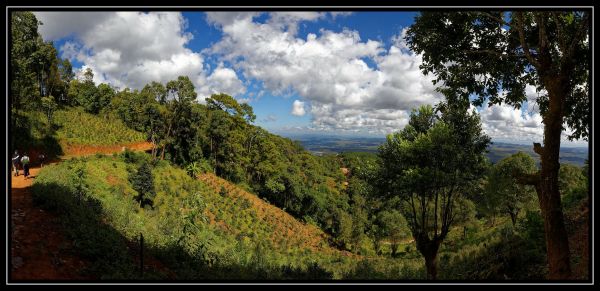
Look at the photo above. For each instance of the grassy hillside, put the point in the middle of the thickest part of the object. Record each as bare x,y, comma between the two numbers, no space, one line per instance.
246,216
239,236
209,228
71,130
78,127
244,233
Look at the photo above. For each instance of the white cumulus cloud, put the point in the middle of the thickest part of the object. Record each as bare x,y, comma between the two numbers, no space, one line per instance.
330,70
298,108
224,80
131,49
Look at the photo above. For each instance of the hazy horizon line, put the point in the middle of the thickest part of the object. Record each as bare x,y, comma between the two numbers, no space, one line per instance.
295,135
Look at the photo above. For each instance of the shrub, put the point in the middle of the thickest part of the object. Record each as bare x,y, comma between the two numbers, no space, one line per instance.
132,157
245,204
223,191
143,182
533,228
205,166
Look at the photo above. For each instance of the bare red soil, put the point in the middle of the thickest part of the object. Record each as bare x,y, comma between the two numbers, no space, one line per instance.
39,250
86,150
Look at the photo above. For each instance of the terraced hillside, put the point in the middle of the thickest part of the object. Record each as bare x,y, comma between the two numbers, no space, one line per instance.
243,214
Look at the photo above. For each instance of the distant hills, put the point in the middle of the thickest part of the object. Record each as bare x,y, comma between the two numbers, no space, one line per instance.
572,155
320,145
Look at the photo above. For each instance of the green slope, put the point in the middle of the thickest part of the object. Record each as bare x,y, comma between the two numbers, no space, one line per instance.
247,234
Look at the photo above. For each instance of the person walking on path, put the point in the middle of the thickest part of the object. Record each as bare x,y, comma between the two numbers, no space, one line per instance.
25,163
15,163
41,158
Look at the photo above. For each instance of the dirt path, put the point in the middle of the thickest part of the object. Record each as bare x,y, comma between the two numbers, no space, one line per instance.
78,150
39,248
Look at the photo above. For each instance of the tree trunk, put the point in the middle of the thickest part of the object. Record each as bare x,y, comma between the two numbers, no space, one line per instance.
153,146
557,242
429,249
162,153
431,264
513,218
394,247
377,243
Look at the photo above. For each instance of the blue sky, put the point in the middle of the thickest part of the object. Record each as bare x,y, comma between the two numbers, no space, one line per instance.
307,72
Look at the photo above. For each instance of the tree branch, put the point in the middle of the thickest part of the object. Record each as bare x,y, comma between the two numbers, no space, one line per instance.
538,148
499,20
435,215
578,34
520,23
561,32
423,209
446,219
491,52
542,35
527,179
493,17
414,218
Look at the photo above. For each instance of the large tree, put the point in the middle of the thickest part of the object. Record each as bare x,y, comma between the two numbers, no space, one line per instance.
227,132
494,55
65,70
503,189
180,95
23,45
85,93
430,165
45,65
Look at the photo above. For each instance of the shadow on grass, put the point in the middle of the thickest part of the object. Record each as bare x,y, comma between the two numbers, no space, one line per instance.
114,257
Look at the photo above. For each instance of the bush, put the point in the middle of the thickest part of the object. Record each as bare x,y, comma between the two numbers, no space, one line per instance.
312,272
132,157
574,197
507,254
32,134
366,270
223,191
142,181
365,246
205,166
532,228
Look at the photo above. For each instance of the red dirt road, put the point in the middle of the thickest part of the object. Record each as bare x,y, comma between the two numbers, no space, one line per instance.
38,247
86,150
